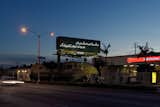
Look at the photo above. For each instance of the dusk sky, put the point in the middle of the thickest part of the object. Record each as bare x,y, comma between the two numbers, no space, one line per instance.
118,22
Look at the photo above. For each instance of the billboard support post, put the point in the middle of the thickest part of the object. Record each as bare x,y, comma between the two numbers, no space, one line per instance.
58,60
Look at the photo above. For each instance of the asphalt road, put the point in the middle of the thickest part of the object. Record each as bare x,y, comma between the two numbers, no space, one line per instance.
34,95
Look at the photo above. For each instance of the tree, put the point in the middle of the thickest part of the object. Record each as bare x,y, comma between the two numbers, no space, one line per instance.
105,48
86,70
99,63
145,51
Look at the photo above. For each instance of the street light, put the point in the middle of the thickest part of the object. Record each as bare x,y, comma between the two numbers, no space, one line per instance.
51,34
25,30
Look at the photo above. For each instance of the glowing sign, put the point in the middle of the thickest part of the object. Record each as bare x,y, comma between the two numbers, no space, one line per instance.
154,77
77,46
144,59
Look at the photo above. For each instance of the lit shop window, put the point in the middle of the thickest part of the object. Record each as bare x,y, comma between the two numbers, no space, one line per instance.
154,77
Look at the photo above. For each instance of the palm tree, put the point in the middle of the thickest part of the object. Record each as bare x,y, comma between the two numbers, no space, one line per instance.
105,48
145,51
100,63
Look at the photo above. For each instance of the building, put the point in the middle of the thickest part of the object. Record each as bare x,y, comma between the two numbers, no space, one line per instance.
130,69
40,70
23,73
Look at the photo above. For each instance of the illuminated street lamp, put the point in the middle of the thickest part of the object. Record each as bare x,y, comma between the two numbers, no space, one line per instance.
51,34
25,30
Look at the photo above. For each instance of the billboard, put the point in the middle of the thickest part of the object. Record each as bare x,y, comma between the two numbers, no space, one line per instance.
77,47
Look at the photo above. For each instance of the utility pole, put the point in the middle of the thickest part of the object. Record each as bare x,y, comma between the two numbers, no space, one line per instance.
38,56
135,48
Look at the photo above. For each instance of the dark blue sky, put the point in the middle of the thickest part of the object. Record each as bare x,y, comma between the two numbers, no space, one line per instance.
120,22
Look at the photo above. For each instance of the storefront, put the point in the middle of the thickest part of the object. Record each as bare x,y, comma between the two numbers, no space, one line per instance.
131,69
148,68
23,73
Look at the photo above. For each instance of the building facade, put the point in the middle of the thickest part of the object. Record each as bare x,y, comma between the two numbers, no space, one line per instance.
130,69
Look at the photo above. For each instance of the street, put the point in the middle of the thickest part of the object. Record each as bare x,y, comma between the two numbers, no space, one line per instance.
32,95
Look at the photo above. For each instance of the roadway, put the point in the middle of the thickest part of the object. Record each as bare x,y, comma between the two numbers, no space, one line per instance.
32,95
